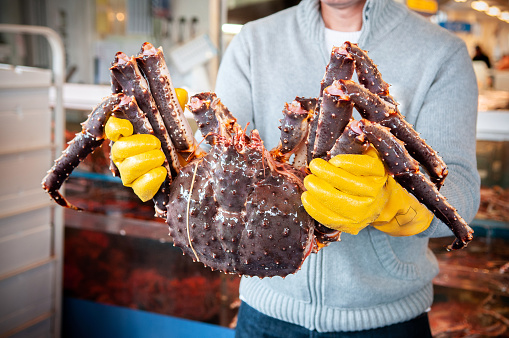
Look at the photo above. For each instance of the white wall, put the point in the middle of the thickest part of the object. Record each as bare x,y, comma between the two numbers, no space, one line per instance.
91,52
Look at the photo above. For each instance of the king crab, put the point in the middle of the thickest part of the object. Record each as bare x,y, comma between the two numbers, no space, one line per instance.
237,208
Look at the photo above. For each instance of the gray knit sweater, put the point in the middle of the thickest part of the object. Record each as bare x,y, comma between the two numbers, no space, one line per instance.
371,279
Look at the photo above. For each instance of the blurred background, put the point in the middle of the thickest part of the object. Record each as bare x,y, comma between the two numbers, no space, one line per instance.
112,270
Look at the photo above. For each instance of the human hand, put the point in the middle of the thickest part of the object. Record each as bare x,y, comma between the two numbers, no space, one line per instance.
138,157
347,193
352,191
403,215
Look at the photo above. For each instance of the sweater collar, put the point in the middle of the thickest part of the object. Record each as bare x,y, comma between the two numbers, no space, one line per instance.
380,17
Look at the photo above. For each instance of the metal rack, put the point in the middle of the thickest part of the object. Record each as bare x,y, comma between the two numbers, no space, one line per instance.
31,227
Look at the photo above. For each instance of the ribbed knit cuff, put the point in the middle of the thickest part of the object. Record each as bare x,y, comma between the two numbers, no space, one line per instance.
327,319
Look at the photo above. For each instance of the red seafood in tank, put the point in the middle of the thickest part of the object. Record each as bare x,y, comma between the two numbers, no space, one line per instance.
237,208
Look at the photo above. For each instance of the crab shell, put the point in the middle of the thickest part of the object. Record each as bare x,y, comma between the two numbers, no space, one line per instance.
234,212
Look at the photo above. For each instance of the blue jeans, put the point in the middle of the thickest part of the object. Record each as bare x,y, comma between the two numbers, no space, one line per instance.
252,323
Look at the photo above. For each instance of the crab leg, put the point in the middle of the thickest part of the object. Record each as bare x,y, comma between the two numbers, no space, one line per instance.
115,86
351,141
301,151
130,109
367,72
421,151
212,117
369,105
335,113
127,74
115,89
340,67
294,129
406,172
83,144
374,109
324,236
313,126
152,64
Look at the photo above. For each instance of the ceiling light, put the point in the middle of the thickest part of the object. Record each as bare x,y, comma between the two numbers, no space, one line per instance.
504,16
230,28
480,6
493,11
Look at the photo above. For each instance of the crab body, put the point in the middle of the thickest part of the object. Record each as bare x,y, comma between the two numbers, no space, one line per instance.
232,212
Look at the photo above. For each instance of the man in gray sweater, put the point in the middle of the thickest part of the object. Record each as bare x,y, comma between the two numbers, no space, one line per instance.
369,284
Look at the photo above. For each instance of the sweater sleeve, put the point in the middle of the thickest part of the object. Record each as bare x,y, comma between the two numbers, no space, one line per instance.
448,118
233,83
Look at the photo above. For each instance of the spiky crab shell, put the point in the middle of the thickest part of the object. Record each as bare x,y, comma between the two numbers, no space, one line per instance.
232,212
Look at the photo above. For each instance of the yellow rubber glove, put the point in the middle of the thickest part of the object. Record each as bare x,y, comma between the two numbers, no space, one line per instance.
347,193
403,214
139,158
182,97
361,193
